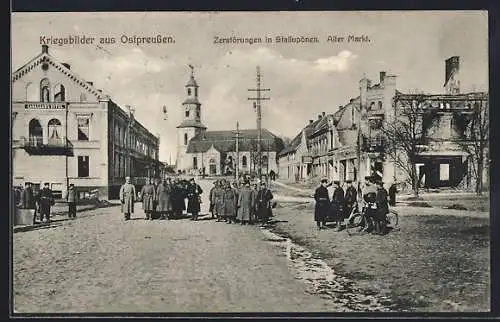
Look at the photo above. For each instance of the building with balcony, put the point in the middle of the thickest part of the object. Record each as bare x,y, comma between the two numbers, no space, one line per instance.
65,130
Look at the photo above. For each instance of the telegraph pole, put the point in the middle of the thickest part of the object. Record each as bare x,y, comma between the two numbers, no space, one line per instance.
258,107
237,132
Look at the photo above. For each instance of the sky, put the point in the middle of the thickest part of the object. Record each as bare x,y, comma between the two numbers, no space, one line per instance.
304,79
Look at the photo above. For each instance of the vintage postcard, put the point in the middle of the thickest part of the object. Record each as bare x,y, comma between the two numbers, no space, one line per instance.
173,162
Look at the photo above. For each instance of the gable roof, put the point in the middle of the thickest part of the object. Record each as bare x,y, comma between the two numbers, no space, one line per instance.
44,57
293,145
225,141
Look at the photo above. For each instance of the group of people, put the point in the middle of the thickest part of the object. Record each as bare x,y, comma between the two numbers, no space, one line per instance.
163,199
340,206
42,202
241,202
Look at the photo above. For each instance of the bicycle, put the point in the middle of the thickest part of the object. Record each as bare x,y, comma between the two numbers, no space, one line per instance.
357,221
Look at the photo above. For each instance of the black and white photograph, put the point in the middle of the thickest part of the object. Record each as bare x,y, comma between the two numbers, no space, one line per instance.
250,162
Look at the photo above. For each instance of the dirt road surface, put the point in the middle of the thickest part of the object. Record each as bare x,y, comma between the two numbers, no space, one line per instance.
100,263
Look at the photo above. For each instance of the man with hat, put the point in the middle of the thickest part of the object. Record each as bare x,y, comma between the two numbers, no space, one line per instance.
28,200
322,207
194,192
370,198
71,197
211,198
127,198
46,201
382,208
351,196
147,198
338,203
217,200
264,197
245,203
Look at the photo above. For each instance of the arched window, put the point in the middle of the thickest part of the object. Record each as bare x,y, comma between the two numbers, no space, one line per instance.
195,91
45,90
379,105
54,130
212,166
187,113
189,91
59,93
32,93
198,113
185,139
244,161
35,131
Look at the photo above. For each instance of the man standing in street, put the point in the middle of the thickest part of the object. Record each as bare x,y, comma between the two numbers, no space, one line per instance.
127,198
46,201
338,204
245,203
382,208
393,189
28,199
264,209
370,197
163,197
322,207
351,196
194,199
71,198
147,198
211,197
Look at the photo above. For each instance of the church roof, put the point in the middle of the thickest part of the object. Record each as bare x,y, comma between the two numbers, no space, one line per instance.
192,82
225,141
191,123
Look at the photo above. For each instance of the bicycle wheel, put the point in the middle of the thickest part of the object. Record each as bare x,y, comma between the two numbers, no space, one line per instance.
392,218
355,223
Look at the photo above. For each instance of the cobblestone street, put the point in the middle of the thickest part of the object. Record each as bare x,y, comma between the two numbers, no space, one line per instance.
100,263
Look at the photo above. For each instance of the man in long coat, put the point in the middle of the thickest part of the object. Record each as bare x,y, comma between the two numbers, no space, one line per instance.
127,198
338,204
211,199
246,201
382,208
253,211
163,198
156,184
28,200
46,200
148,197
393,189
177,198
264,197
230,200
71,198
218,200
194,192
322,207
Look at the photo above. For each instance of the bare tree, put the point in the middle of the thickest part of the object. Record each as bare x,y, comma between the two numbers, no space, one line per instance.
477,138
403,136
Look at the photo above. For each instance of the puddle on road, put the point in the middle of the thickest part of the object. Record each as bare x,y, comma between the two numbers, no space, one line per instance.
321,280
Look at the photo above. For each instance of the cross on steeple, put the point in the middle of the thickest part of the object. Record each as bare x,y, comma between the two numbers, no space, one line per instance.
192,70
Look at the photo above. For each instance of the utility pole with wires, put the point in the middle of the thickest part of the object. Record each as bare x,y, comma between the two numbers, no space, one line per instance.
257,104
237,163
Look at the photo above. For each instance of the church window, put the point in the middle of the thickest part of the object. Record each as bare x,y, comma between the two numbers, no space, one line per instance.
187,113
83,128
244,161
379,105
198,113
195,163
189,91
45,90
185,139
195,91
60,93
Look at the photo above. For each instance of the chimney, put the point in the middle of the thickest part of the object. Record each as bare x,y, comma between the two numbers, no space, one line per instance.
45,49
452,66
90,83
382,77
323,113
319,116
68,66
311,121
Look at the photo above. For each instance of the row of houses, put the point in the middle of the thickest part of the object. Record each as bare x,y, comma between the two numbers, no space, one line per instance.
349,143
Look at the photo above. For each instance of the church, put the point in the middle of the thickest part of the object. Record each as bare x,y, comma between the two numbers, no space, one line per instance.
214,153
